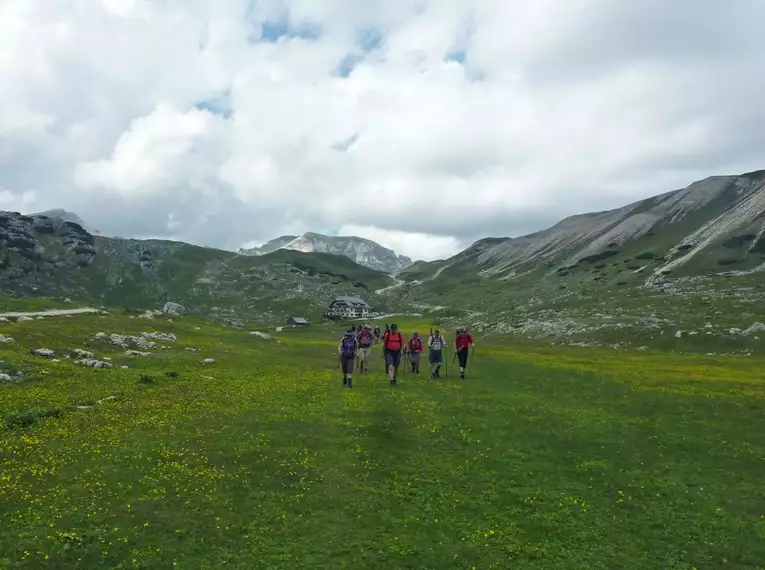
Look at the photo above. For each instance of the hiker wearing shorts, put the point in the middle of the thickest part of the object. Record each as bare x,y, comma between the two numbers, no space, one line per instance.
346,350
393,342
414,351
365,340
463,342
436,344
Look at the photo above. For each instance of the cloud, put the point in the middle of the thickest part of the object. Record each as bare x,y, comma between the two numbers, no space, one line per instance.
431,122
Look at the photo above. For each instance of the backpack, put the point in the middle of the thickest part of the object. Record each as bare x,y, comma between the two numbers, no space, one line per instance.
415,344
399,340
349,346
436,342
365,338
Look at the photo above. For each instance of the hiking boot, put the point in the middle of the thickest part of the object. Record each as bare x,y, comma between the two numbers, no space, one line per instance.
462,375
345,381
350,384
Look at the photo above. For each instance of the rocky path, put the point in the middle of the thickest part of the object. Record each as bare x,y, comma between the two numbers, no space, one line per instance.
50,313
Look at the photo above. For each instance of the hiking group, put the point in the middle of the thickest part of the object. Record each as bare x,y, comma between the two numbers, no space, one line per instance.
355,350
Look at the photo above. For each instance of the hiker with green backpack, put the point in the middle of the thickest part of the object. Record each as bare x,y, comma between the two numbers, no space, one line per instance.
346,351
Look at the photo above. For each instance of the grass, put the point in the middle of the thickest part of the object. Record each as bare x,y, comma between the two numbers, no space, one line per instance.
542,458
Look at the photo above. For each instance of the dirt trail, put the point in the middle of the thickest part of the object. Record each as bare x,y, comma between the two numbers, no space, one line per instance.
50,313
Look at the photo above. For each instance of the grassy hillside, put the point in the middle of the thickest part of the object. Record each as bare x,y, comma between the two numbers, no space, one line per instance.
542,458
62,260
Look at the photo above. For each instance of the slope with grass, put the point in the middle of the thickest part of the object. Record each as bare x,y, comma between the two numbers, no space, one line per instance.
675,261
542,458
42,256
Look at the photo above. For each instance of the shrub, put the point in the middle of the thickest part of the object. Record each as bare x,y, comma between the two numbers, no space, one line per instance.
738,241
599,256
646,255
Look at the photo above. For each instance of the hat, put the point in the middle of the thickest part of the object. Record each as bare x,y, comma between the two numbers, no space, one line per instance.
349,332
415,333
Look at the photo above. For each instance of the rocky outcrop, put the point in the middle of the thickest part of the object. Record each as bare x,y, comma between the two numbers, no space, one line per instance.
35,249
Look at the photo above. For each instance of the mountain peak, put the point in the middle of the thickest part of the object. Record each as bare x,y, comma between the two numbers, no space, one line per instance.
361,250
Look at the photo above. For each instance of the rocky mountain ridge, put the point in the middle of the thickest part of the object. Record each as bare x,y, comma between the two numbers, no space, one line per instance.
360,250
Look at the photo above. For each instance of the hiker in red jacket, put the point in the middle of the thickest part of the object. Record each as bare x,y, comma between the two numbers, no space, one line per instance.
414,351
463,342
393,342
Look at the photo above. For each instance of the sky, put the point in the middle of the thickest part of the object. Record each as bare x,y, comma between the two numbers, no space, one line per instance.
423,125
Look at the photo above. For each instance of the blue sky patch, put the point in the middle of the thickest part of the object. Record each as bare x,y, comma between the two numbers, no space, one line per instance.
220,105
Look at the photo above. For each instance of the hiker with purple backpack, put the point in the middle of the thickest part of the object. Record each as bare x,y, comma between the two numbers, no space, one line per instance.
346,351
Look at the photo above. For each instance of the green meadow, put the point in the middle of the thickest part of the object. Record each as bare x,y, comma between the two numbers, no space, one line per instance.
542,458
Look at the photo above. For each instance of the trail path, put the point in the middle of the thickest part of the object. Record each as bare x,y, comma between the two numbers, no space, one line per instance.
396,283
51,313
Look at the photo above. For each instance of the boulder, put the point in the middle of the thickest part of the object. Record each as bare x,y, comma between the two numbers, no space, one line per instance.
174,308
755,328
79,353
44,353
136,353
208,361
735,331
23,320
679,334
6,340
5,378
91,363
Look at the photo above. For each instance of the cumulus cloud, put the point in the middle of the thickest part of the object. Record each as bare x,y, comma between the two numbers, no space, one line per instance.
431,122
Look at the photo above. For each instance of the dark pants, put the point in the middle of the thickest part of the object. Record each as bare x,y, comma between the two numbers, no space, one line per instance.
392,357
348,363
462,356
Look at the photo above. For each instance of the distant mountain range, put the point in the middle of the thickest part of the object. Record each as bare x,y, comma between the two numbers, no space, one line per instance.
363,251
713,228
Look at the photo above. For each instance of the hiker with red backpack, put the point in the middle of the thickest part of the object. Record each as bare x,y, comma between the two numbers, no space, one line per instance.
463,343
393,342
414,351
365,340
347,353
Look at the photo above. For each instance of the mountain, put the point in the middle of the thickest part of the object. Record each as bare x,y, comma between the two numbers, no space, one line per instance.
713,225
47,256
686,262
363,251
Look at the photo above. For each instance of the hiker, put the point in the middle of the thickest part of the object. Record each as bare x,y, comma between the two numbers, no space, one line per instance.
463,342
436,344
365,340
414,351
353,328
377,334
347,353
393,342
387,329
